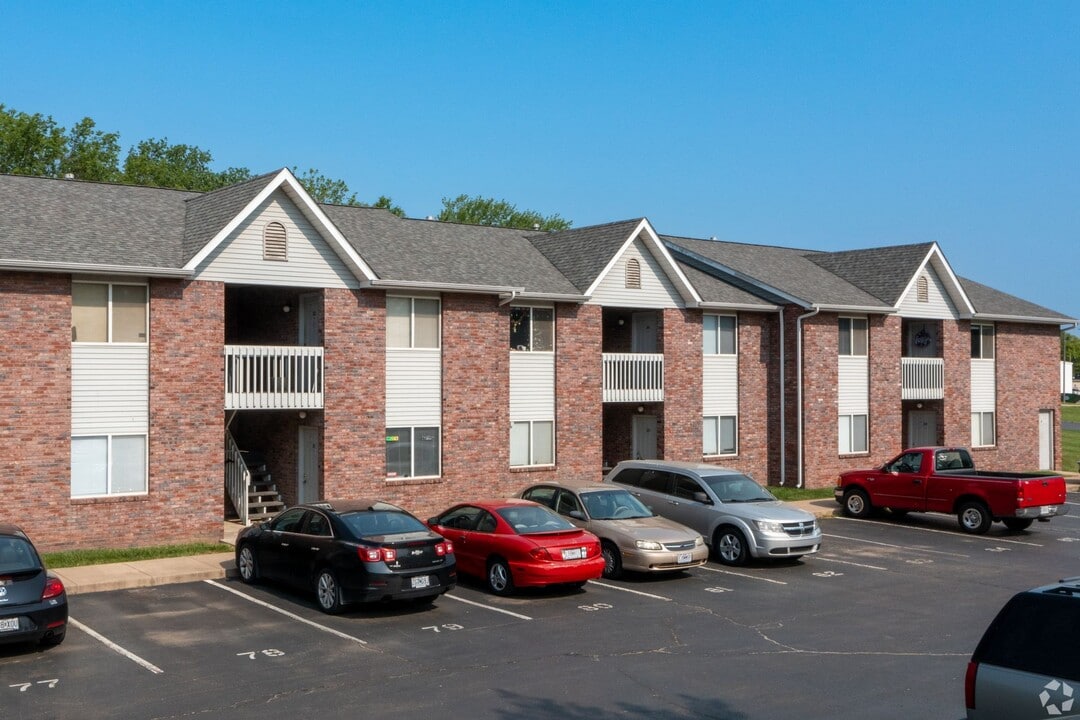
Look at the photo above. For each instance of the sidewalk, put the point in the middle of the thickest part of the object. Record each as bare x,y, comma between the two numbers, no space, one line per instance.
215,566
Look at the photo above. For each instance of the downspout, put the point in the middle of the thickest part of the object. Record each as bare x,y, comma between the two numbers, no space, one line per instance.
799,384
783,404
513,294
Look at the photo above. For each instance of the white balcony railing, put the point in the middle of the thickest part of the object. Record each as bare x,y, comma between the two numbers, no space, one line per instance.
924,378
633,377
262,377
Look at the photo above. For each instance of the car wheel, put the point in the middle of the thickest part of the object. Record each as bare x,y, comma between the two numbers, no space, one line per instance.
55,639
730,546
974,518
499,579
1017,523
612,561
328,592
245,563
857,503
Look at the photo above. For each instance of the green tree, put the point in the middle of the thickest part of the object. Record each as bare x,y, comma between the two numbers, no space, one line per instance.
497,213
91,154
30,144
1070,350
386,203
326,190
183,167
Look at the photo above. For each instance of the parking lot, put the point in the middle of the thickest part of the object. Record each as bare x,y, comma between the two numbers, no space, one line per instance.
879,624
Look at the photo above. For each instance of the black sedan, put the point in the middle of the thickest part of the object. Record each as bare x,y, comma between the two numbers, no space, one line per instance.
349,551
33,604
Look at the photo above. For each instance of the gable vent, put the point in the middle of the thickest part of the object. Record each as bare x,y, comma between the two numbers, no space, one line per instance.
275,242
922,289
633,273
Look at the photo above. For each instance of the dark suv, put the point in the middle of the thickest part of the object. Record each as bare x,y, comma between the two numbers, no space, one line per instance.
1027,664
349,551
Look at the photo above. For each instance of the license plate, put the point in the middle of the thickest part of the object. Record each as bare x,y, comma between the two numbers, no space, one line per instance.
571,554
421,581
9,624
684,558
1046,510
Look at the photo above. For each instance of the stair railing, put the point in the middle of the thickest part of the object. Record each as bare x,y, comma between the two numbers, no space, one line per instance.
237,478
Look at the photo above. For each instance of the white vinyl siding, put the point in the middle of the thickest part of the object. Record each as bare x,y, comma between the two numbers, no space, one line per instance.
983,402
311,262
656,289
110,389
413,387
853,403
938,304
720,385
532,386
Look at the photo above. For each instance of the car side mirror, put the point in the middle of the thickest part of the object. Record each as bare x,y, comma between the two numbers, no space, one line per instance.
702,498
433,521
577,514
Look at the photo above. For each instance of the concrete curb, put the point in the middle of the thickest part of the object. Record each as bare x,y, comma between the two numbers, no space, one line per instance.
147,573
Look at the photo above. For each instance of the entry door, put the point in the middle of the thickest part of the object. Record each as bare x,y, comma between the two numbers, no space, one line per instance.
311,320
1046,439
922,428
308,480
644,431
643,332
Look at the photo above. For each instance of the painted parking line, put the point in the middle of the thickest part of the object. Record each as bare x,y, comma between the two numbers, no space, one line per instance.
950,533
847,562
448,596
752,577
896,547
113,646
628,590
286,613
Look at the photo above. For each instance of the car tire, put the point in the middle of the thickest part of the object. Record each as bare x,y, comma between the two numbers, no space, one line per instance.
328,592
1018,523
246,565
612,560
54,639
974,517
857,504
499,579
729,544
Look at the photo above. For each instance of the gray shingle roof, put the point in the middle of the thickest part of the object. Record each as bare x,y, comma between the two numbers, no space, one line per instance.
883,272
208,213
988,301
582,254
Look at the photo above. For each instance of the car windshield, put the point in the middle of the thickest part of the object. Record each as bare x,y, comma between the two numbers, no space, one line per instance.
16,556
735,488
614,505
527,519
382,522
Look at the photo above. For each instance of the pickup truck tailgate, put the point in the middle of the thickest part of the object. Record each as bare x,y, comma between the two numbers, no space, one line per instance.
1047,490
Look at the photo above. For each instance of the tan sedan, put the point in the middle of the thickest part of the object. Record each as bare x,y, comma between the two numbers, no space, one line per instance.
631,536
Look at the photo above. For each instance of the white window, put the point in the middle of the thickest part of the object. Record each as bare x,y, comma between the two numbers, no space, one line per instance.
853,434
108,465
532,443
412,452
982,342
718,335
719,435
412,322
853,336
532,329
982,429
108,313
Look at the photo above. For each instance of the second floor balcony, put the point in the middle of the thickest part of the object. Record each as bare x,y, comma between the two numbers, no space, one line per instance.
923,378
267,377
633,377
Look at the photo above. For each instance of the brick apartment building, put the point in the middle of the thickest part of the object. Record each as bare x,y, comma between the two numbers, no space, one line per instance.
172,358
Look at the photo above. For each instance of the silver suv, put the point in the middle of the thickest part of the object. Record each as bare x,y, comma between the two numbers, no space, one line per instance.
1027,664
737,517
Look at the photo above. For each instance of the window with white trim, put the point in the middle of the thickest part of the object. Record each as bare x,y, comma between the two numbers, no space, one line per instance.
853,336
854,437
982,429
412,322
982,341
108,312
412,452
719,335
532,329
104,465
532,442
719,435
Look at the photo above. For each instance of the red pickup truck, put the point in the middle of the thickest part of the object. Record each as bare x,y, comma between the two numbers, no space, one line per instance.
944,479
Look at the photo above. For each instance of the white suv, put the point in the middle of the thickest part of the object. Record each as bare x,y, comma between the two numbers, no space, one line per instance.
737,517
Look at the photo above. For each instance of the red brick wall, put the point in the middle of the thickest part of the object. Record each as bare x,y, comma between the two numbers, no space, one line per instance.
679,431
758,377
956,407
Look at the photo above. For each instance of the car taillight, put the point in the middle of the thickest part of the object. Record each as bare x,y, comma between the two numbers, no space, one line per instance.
540,553
444,548
53,588
374,555
969,684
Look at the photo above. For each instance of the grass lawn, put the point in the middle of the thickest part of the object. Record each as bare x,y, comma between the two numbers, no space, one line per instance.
1070,439
1070,413
788,493
76,558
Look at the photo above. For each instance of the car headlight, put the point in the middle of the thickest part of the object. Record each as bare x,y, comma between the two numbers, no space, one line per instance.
770,527
699,541
648,545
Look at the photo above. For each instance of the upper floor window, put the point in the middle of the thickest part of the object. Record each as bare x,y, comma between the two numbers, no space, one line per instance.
108,313
532,329
633,273
275,242
853,336
412,322
718,335
982,341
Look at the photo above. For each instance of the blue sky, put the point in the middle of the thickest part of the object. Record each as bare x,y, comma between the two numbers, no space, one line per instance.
825,125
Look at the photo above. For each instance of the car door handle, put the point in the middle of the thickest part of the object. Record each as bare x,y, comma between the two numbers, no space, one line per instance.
284,544
916,481
672,502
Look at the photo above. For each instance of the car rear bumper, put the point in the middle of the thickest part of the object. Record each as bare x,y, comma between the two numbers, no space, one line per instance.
537,574
662,560
375,587
36,622
1042,511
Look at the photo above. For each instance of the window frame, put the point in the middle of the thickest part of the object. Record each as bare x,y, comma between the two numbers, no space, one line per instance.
413,429
986,334
110,466
412,300
718,344
530,321
980,440
852,336
532,454
111,306
846,435
720,452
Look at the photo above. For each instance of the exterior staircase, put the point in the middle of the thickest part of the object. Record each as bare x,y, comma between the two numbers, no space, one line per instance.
263,498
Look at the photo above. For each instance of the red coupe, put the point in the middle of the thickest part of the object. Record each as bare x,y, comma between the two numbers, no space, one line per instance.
518,543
